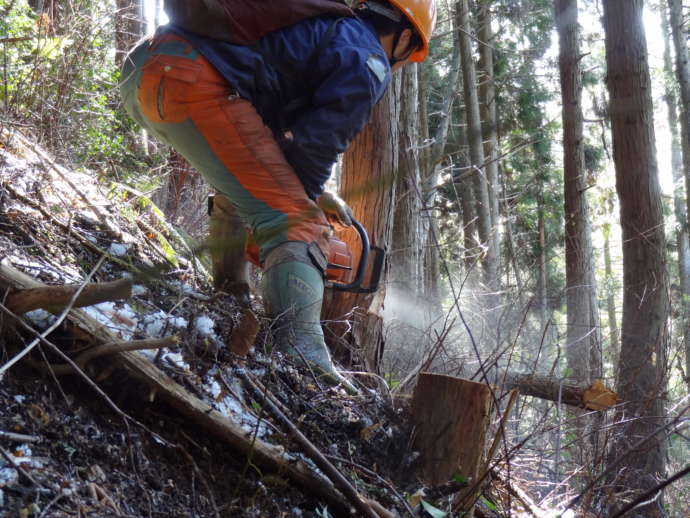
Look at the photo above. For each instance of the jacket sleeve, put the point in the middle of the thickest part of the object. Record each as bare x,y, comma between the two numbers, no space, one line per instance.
353,81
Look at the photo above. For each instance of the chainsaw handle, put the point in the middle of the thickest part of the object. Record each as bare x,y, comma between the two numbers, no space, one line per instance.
363,260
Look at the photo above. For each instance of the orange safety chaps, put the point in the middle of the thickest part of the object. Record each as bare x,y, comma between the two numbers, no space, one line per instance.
177,95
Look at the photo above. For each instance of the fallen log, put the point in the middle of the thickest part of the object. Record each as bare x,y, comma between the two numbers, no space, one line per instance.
594,396
267,456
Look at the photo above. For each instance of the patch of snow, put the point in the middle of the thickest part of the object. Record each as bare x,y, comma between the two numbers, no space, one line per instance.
184,288
128,238
19,398
155,324
40,319
118,249
138,290
233,409
8,477
204,325
213,388
121,321
41,268
176,359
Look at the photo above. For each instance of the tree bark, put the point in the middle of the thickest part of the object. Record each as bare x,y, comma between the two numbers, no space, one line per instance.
683,76
129,26
582,339
645,306
542,278
355,328
474,139
406,258
487,94
614,332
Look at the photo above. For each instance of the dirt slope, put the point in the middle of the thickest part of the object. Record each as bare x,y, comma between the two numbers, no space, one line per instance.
68,451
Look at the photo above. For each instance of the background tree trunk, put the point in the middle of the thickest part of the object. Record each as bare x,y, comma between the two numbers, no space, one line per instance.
129,26
406,257
474,139
683,76
614,332
487,94
645,305
583,329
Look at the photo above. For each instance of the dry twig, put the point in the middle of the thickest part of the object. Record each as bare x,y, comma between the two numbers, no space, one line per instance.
314,454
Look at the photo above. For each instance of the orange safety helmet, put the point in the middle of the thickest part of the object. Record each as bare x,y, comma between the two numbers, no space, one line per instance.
422,16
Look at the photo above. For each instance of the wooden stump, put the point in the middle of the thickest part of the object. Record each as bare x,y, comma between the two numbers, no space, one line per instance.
452,418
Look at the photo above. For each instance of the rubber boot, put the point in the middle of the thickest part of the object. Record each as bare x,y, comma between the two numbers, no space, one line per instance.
293,291
227,240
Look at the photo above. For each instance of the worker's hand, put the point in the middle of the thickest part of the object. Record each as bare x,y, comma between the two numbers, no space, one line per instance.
335,208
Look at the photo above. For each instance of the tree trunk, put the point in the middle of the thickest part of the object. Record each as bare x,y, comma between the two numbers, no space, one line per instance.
474,139
614,333
645,307
432,161
406,267
542,298
583,330
683,75
129,26
355,329
487,93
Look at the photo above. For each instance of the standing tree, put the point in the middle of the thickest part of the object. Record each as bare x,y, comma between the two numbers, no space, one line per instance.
679,148
368,186
129,26
683,75
475,141
636,459
487,95
583,331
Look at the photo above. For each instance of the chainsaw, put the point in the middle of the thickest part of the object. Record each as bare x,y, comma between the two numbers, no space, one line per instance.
342,274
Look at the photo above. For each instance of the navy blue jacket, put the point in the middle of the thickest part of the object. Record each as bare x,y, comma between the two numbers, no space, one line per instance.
341,83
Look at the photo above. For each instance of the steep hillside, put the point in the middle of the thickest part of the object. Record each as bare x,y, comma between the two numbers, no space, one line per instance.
108,445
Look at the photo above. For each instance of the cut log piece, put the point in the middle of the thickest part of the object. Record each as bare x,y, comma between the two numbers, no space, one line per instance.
594,397
452,417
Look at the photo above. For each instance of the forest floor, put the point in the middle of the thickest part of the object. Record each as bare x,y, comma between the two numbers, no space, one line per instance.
81,456
72,447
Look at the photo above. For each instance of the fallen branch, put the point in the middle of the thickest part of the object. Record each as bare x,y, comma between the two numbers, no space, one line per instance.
18,437
6,278
114,348
54,298
520,495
